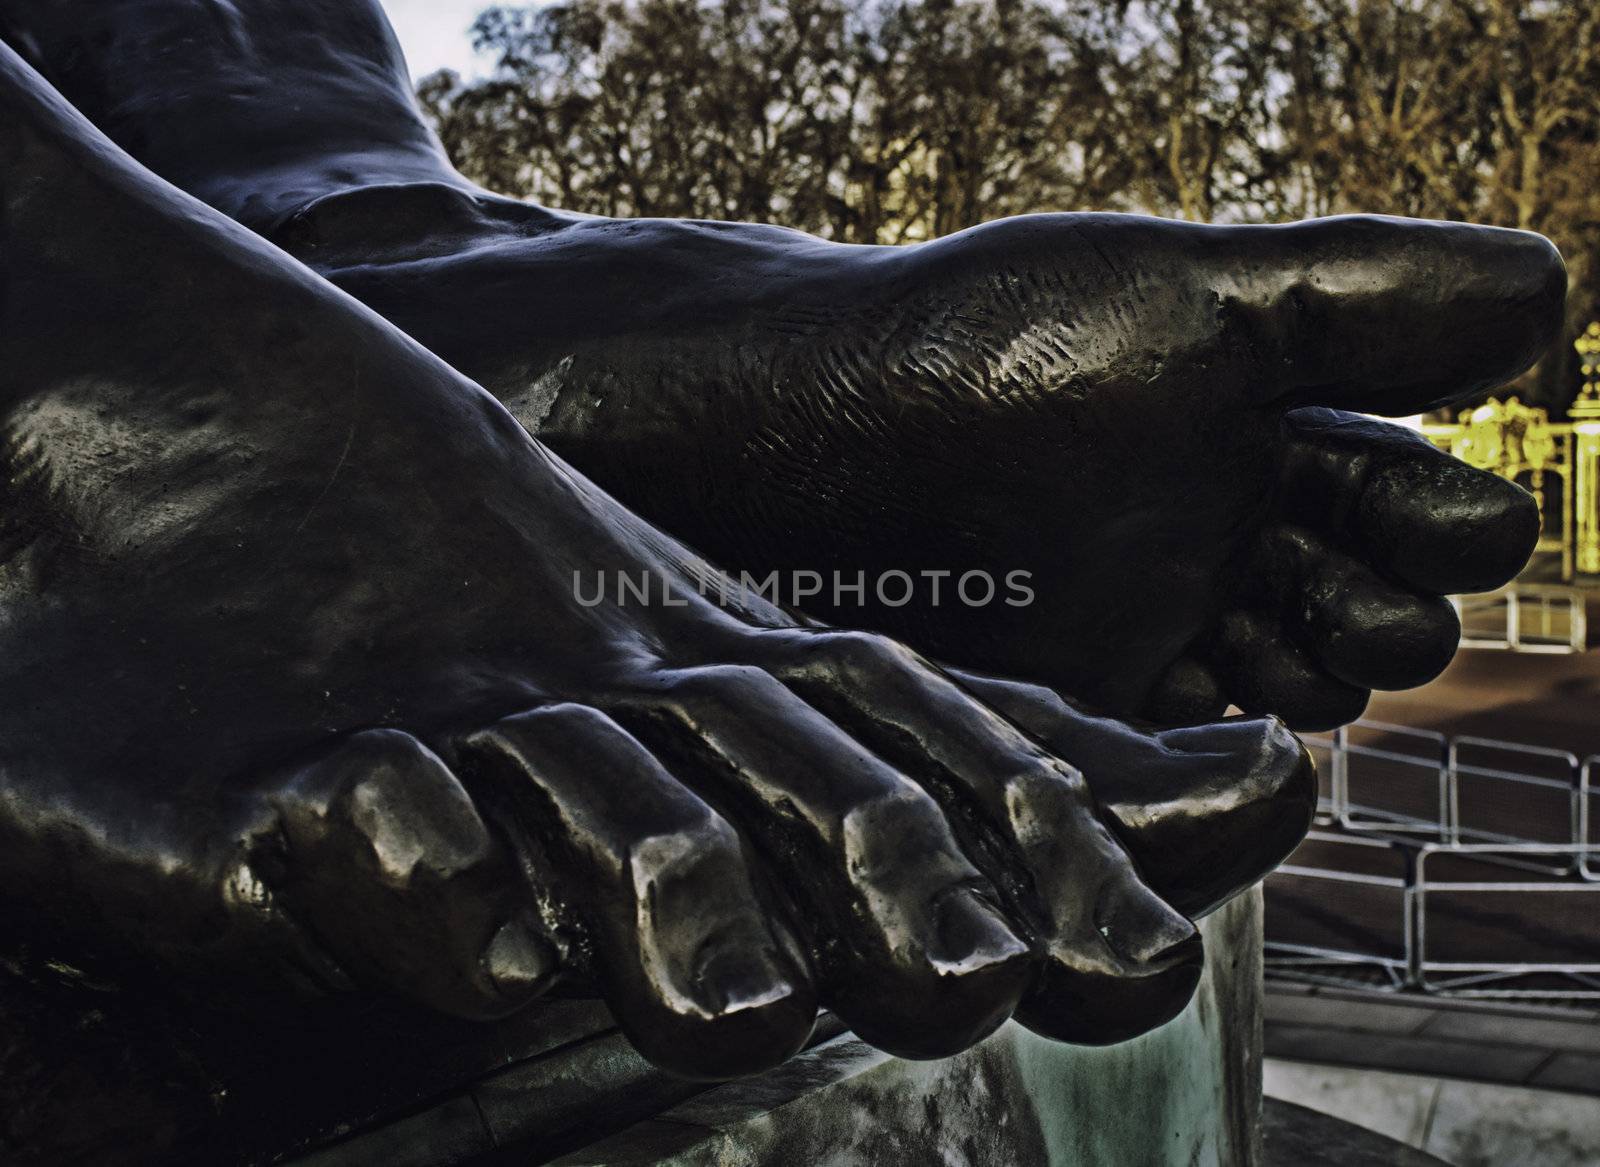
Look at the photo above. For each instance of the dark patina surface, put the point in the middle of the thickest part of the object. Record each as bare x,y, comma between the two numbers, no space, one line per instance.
298,697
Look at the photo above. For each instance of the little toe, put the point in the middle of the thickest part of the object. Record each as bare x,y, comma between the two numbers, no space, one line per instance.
1357,625
912,952
1205,811
1266,672
1116,959
1421,515
387,861
701,977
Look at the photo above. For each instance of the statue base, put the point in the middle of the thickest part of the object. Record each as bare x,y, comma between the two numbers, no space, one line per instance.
1186,1094
126,1077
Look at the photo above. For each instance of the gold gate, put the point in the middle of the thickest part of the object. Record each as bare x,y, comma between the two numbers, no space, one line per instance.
1559,462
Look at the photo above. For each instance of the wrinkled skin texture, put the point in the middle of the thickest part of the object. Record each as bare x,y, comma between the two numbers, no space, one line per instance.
1117,406
294,686
1097,401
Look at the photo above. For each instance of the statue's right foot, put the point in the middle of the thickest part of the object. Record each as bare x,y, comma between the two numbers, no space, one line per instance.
297,667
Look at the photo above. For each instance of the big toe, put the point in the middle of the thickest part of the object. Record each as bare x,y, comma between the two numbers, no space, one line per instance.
1399,316
1204,811
1221,806
1134,970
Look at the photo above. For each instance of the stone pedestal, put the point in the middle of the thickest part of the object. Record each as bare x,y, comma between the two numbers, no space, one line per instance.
1188,1094
94,1074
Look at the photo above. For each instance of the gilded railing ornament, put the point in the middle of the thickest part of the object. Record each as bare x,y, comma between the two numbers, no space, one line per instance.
1588,346
1520,442
1586,433
1507,437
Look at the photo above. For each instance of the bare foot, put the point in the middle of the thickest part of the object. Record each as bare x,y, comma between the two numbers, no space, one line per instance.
264,160
1112,406
294,681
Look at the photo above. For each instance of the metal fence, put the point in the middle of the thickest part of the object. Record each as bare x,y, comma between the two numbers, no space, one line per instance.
1401,923
1437,859
1525,617
1454,789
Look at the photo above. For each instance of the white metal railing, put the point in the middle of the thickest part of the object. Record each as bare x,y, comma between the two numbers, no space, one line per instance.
1586,866
1371,964
1439,764
1569,977
1427,761
1400,802
1406,959
1525,617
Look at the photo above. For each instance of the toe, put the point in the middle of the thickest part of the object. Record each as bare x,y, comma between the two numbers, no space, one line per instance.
1420,515
1447,527
1358,626
1264,671
912,952
1394,316
1137,972
386,859
1229,804
1204,811
700,976
1117,960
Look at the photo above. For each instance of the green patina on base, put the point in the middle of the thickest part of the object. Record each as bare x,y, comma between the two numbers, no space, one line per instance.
1188,1095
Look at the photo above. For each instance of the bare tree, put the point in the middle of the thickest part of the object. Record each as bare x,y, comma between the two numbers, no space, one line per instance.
897,120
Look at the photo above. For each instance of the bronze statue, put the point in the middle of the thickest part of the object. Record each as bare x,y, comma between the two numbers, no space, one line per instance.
300,684
295,675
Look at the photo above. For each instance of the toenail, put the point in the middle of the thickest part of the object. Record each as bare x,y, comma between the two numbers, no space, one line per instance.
519,960
730,981
972,935
1143,930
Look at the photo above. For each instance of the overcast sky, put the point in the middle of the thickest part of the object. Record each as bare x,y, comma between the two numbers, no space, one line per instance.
434,33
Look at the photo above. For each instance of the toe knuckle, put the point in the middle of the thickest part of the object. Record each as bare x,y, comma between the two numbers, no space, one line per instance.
723,684
384,747
1043,782
705,843
866,654
899,810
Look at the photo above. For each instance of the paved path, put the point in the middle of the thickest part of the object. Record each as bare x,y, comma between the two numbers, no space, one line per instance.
1505,1087
1546,1047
